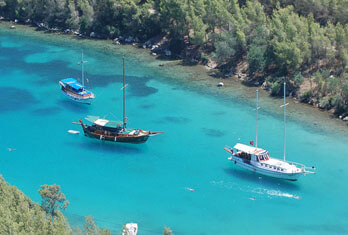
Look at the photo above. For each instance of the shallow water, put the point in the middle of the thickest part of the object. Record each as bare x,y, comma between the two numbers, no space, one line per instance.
148,184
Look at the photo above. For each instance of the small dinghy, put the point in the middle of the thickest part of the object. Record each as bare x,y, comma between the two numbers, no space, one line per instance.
190,189
73,132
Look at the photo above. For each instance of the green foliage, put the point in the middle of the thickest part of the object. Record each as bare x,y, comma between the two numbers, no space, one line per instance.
276,88
52,199
256,58
20,215
306,96
290,39
298,79
90,228
225,47
324,103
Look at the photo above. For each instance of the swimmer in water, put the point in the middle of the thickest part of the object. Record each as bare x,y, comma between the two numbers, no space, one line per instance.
190,189
11,149
252,198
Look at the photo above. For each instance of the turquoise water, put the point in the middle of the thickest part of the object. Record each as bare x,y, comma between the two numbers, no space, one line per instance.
146,184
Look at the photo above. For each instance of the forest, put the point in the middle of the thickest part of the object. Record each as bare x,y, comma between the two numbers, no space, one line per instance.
20,215
265,42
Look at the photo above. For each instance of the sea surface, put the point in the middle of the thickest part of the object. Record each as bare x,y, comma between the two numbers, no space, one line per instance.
149,183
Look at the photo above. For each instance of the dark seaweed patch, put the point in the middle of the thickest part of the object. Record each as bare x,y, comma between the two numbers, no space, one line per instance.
13,99
46,111
176,119
213,132
147,106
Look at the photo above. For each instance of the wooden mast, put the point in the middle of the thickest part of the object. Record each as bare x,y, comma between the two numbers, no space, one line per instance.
124,97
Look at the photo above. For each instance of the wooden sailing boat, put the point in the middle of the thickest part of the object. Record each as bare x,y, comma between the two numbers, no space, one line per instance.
115,131
75,90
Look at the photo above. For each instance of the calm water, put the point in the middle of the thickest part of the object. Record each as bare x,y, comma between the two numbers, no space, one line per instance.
120,183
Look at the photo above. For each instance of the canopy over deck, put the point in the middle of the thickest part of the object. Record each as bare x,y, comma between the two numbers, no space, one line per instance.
249,149
75,85
103,122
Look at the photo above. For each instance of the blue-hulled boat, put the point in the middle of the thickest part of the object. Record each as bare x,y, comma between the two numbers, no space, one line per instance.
75,90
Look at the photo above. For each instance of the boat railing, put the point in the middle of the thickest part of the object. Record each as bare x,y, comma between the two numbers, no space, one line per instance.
306,169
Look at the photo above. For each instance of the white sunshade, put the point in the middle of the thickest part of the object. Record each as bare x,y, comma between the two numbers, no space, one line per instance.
101,122
249,149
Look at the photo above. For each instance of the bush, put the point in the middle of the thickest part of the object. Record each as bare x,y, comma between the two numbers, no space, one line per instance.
324,103
275,88
298,79
306,96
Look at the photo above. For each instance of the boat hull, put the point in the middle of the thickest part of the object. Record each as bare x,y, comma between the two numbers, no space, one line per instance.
76,97
123,138
274,174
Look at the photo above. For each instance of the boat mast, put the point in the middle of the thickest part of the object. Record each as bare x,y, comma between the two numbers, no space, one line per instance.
257,111
124,97
284,119
83,72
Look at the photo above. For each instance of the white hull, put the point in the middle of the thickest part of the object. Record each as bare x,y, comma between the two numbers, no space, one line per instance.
77,99
271,173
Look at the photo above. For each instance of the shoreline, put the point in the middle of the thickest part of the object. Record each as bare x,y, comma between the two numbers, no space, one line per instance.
195,77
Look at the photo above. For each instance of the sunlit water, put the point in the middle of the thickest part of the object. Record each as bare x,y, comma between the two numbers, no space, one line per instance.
148,184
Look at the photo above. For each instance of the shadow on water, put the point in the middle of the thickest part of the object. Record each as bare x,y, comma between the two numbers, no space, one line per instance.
73,106
218,113
147,106
103,146
262,179
13,99
171,119
46,111
213,132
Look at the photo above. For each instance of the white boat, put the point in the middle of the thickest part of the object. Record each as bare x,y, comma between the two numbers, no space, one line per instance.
75,90
130,229
258,160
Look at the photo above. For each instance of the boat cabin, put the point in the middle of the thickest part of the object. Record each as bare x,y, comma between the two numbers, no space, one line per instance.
72,85
103,125
250,153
